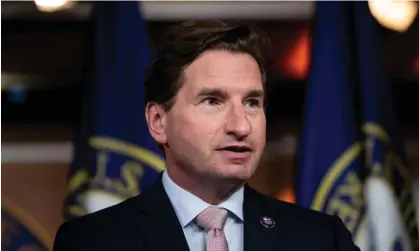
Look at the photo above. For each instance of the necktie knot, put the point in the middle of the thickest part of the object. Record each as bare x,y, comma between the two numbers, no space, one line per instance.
212,218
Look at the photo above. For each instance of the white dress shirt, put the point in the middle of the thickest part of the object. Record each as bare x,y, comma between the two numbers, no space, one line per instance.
187,206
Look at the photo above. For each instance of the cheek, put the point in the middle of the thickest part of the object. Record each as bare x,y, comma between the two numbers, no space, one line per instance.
259,128
195,126
186,126
208,128
202,120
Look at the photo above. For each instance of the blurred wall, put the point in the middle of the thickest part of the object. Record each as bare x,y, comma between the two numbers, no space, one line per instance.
38,190
33,191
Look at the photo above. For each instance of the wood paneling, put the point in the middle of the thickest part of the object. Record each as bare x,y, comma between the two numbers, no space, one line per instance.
36,132
38,189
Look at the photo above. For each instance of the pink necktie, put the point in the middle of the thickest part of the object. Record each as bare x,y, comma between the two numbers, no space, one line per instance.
212,219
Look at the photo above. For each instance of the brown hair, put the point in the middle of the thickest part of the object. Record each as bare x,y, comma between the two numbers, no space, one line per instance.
184,43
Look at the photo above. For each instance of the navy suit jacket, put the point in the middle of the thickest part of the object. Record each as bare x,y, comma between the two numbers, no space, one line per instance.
148,222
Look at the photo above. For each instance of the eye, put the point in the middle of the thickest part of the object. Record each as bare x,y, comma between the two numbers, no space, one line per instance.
254,103
211,101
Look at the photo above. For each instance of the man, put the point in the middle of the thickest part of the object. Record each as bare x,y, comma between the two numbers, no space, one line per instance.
205,95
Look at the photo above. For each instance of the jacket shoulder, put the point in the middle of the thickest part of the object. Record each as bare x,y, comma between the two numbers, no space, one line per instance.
318,226
292,210
105,224
107,216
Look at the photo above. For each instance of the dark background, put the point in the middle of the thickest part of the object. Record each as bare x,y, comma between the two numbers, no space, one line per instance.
45,55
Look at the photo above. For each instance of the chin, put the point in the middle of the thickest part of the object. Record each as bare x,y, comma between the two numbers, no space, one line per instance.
236,173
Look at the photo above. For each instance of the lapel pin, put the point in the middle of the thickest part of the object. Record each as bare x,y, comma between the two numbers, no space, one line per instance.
267,222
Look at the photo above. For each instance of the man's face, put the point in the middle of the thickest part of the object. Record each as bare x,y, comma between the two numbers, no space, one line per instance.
216,127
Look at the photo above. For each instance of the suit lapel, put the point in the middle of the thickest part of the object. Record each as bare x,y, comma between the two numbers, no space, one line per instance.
160,229
160,226
265,227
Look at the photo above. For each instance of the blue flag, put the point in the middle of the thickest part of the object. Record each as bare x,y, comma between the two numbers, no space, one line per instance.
20,231
115,156
349,143
388,190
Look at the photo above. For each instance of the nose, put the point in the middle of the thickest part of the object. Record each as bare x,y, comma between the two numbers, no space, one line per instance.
237,123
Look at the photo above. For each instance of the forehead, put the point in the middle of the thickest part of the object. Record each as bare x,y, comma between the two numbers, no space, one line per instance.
223,69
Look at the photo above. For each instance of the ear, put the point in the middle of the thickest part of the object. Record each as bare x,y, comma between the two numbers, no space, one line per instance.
156,119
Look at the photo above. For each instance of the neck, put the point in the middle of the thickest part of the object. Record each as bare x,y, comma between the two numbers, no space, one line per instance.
211,191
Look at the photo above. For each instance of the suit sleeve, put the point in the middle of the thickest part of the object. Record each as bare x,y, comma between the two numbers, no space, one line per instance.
70,237
343,238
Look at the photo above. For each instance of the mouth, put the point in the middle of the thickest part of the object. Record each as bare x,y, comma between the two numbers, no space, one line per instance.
236,149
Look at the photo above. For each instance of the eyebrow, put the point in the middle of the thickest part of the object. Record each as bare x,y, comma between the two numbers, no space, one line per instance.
217,92
212,92
255,94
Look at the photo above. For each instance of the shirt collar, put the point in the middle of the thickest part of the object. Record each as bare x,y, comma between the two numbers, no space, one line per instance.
187,206
234,203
